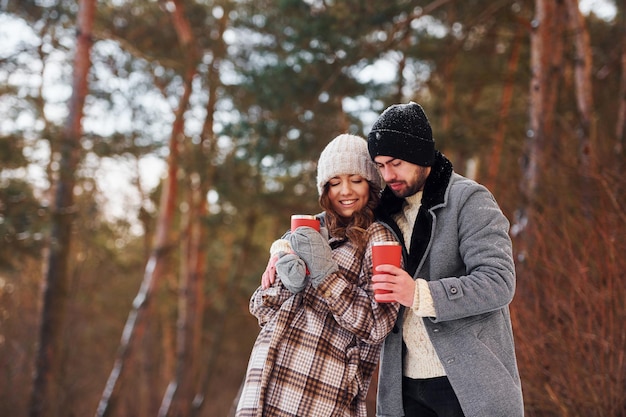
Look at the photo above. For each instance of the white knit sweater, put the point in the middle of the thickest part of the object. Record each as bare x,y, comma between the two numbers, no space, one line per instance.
421,360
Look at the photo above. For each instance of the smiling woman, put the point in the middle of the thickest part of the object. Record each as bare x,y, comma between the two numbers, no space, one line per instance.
321,330
343,172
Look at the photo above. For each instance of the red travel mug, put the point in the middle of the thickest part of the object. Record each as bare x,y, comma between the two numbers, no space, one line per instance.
298,220
385,253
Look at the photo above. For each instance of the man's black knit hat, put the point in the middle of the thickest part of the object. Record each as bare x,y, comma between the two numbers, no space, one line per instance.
402,131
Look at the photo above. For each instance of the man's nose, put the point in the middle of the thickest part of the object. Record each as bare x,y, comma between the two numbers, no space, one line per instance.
387,174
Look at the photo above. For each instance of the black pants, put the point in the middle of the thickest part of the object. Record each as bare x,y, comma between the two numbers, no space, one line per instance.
432,397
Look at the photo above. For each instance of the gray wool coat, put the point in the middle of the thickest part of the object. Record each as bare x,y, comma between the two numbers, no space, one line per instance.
461,245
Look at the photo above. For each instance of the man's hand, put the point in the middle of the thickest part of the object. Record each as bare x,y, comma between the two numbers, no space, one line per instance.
269,276
397,281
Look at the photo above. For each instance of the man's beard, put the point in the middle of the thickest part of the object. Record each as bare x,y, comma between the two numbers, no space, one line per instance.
406,191
413,187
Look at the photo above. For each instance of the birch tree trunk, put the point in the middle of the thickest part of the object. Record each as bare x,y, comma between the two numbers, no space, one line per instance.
546,58
46,401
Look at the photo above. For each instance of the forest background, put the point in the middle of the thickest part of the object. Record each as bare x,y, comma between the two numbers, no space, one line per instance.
150,152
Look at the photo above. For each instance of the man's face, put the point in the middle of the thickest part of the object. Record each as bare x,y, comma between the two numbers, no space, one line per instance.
403,178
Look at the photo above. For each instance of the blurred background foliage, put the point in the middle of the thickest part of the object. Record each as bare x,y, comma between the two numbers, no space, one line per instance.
272,82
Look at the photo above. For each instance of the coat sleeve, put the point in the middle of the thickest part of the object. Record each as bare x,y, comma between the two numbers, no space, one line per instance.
472,269
264,304
352,301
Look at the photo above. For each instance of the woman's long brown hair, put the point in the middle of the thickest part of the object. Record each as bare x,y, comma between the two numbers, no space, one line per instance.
355,229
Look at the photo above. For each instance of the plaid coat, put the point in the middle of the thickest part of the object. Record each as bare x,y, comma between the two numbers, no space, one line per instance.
317,350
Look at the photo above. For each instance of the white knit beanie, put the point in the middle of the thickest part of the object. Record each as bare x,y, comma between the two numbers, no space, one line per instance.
346,154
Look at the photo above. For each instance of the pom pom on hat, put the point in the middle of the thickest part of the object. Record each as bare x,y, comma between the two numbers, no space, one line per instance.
346,154
403,131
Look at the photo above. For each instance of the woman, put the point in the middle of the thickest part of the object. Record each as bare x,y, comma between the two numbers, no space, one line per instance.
321,331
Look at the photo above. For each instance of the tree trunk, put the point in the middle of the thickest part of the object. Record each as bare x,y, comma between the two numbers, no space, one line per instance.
620,126
46,401
180,394
584,98
208,148
152,272
154,267
545,61
505,105
448,74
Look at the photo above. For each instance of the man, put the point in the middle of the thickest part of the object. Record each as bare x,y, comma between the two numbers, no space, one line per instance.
452,351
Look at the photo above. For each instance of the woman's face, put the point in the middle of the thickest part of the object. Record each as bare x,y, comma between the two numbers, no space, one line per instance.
348,193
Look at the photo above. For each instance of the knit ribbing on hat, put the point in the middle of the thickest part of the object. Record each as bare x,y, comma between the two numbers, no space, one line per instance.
346,154
403,131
